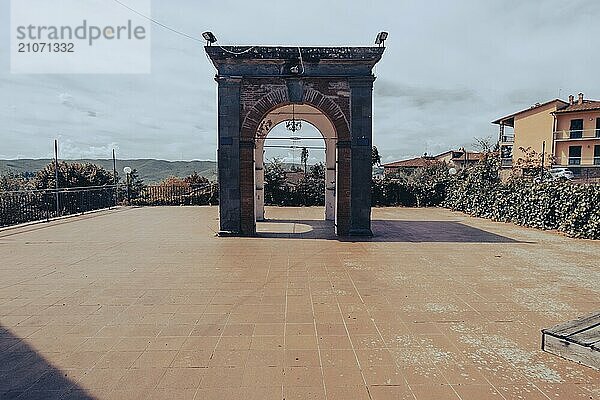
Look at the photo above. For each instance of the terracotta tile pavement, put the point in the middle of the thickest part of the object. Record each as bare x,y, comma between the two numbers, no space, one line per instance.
149,304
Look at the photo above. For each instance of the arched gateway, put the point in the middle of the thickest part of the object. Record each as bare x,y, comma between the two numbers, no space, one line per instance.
329,87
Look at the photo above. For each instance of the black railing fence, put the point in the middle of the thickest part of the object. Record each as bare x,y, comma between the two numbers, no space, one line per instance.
18,207
174,195
34,205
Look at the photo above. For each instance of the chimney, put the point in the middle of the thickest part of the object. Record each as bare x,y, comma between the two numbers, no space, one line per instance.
571,99
580,99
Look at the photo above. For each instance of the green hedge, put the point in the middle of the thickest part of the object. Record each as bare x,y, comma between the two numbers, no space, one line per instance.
570,208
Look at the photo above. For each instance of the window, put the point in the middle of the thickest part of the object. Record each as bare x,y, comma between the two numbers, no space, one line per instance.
574,155
598,127
597,155
576,128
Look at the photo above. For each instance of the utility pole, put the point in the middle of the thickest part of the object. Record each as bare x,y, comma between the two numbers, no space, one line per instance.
543,160
56,177
115,182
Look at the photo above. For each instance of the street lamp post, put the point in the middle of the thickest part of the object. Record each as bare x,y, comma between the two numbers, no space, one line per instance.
128,171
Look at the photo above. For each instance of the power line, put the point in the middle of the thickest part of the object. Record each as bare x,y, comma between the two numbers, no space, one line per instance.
185,35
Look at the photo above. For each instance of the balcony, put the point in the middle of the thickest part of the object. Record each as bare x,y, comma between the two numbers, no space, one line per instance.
586,134
578,161
507,139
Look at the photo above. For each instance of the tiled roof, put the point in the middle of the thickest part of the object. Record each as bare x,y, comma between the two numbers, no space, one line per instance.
471,156
508,118
412,163
587,105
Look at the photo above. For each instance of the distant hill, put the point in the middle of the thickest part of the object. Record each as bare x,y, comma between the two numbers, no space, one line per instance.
150,170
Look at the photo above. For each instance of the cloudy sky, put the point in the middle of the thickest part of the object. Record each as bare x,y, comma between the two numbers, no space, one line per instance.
450,68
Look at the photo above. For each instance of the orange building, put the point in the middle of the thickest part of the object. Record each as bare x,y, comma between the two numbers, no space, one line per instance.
570,130
525,129
577,137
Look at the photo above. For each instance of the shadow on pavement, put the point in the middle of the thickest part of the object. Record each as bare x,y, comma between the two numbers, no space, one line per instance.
383,231
25,374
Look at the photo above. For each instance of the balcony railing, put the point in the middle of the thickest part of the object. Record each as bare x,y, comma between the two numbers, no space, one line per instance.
508,138
578,161
173,195
33,205
577,134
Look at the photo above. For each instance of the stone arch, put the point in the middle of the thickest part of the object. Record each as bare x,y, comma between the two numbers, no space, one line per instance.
279,97
316,118
337,81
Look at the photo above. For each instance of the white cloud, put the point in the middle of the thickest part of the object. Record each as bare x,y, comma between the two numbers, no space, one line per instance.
448,71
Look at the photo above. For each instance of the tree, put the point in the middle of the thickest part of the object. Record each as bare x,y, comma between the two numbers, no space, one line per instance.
71,175
485,145
375,157
136,184
304,158
195,179
317,171
274,181
530,163
12,181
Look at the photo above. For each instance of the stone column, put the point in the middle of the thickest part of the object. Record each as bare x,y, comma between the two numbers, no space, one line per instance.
330,176
229,155
259,162
247,187
361,100
343,188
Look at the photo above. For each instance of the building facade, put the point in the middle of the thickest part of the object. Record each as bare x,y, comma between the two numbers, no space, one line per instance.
527,129
577,137
567,133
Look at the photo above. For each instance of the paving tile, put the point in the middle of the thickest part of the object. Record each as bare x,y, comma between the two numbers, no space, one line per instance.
220,394
223,377
146,378
175,312
347,392
229,358
155,359
476,392
269,329
399,392
265,358
192,359
171,394
304,393
181,378
118,359
303,377
434,392
302,358
263,376
106,378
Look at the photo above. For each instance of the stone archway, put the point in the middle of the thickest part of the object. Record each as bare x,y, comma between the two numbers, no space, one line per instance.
254,82
326,129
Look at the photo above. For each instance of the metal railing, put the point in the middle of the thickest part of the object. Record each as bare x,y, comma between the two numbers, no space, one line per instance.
175,195
578,161
17,207
577,134
508,138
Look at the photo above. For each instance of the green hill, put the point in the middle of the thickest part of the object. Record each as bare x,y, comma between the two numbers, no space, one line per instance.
150,170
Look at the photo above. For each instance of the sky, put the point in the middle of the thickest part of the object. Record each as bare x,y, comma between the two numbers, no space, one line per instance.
450,68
